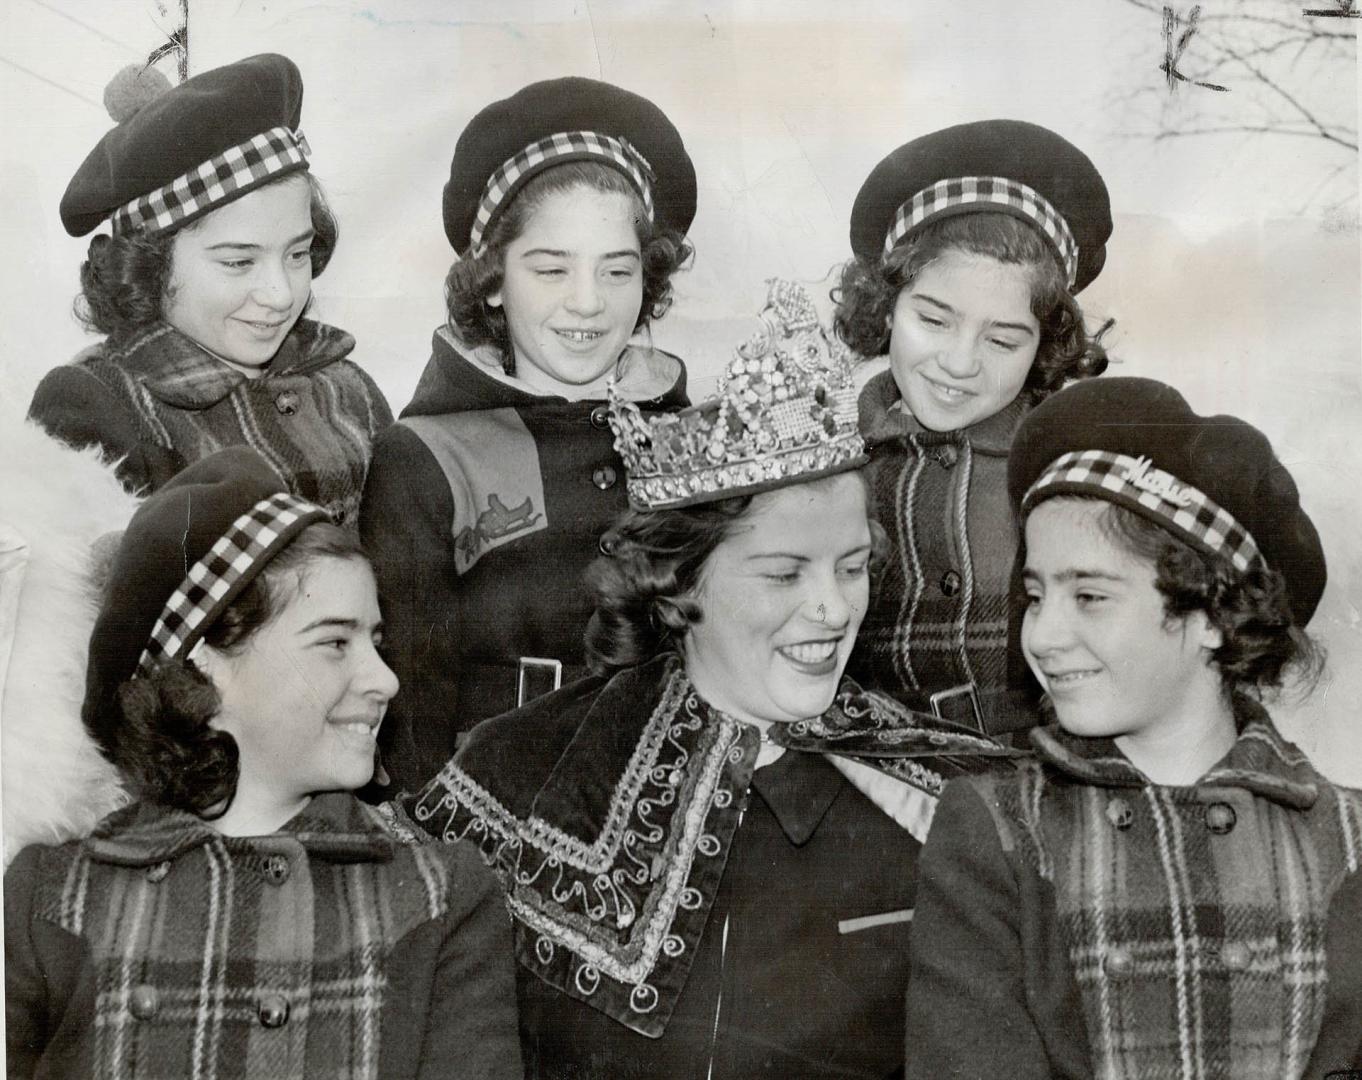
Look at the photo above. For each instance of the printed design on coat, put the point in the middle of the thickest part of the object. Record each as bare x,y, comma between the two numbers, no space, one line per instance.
495,523
491,464
1194,916
614,920
220,957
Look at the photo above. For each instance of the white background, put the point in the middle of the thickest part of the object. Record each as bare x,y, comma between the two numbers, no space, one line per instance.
1233,271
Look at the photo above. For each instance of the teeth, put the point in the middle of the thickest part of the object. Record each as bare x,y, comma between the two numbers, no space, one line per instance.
582,335
811,652
1068,677
359,727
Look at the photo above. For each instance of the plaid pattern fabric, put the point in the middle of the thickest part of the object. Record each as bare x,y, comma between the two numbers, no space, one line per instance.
1185,510
193,936
219,179
996,190
616,152
220,575
1198,951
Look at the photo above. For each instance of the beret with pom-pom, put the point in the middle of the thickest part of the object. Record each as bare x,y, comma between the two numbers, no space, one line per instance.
178,152
134,87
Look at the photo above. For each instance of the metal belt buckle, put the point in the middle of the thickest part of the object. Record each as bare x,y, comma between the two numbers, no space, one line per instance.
948,697
536,677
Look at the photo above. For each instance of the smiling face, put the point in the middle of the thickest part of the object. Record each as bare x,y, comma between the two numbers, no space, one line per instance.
962,339
1097,637
781,600
572,288
304,695
241,275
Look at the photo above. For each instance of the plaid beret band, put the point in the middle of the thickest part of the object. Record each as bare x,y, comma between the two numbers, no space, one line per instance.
251,541
220,179
948,195
572,145
1182,509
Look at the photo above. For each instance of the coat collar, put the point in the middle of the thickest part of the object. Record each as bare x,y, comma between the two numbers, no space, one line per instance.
180,372
885,417
334,826
1260,761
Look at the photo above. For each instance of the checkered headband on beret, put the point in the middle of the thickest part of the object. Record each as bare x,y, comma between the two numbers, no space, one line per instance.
1009,195
219,576
568,145
222,178
1155,494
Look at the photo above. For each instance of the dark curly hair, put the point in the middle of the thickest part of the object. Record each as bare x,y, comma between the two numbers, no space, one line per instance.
645,583
166,745
473,279
867,293
1262,645
124,278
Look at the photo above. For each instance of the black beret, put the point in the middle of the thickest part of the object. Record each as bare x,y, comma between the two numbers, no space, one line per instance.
1137,443
1009,149
197,520
509,127
178,132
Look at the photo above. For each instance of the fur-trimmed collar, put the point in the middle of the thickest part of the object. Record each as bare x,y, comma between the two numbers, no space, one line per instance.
884,416
1260,761
335,826
177,370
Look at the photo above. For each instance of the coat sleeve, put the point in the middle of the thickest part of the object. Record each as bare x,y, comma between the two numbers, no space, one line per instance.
406,522
27,1026
72,404
472,1027
967,1004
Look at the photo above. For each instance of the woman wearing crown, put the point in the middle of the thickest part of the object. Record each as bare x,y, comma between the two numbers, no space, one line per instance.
706,873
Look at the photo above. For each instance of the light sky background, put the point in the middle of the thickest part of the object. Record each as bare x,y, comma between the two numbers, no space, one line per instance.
1234,271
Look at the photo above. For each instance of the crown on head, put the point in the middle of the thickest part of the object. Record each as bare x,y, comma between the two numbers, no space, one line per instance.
784,413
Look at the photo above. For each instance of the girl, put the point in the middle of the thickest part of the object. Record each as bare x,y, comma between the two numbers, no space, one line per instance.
218,229
702,881
971,244
1170,888
567,203
248,916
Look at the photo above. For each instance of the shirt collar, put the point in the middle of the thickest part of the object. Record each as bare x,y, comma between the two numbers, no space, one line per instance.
1260,761
884,416
334,826
798,789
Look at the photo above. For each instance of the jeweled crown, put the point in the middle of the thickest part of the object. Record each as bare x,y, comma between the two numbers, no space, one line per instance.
784,413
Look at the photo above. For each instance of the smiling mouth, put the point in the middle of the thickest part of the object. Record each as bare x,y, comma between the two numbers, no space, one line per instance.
812,657
946,391
359,727
1063,679
581,335
263,326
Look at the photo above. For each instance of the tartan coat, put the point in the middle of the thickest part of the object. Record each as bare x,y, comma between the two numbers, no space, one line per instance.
1076,921
160,402
939,615
678,912
338,947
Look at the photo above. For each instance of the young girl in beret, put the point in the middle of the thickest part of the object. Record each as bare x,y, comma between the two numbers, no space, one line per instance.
1169,888
970,245
217,230
248,916
567,204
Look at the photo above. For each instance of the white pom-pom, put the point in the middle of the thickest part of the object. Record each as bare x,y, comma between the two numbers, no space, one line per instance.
131,89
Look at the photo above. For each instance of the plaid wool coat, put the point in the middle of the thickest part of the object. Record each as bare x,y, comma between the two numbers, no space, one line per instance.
1075,921
160,402
335,948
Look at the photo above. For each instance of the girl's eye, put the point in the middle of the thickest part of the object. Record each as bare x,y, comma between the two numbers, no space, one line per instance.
300,257
1031,599
855,570
1005,345
1087,599
549,271
931,320
336,644
783,577
236,264
622,273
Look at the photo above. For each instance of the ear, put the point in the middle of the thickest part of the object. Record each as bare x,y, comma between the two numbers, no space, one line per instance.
1204,633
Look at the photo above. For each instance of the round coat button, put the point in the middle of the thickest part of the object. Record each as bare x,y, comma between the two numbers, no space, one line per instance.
947,455
950,583
1120,814
1118,964
607,543
600,416
144,1002
272,1009
1220,818
276,869
287,402
1235,955
604,477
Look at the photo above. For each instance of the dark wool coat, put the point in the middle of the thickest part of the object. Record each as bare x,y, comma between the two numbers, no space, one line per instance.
1077,921
160,402
938,617
485,504
677,912
338,948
